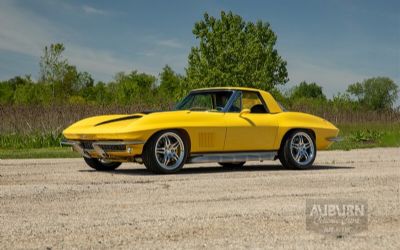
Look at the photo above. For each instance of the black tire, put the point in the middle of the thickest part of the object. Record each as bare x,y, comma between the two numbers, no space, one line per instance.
101,166
286,152
152,160
232,165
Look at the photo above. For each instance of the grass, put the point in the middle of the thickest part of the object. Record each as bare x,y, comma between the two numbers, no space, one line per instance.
366,135
34,153
32,140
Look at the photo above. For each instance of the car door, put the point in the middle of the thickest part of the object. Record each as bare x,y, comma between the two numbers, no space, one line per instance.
207,131
253,131
205,123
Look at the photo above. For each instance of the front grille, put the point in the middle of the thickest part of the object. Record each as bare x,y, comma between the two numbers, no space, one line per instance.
87,144
113,147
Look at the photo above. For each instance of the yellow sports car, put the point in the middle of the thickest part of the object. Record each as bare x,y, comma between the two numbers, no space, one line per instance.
229,125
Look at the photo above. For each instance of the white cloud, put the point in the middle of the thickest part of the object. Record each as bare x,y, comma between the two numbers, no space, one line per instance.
92,10
100,62
332,79
21,31
171,43
26,33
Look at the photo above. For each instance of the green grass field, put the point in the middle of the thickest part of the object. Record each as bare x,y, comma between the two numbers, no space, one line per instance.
366,135
33,153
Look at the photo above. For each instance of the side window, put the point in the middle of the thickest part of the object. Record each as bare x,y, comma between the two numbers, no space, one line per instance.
202,101
252,101
236,105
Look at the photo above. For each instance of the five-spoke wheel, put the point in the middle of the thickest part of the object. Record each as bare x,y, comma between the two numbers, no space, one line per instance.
170,150
165,152
302,148
298,151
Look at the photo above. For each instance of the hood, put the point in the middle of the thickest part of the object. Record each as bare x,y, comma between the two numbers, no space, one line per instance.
97,126
103,124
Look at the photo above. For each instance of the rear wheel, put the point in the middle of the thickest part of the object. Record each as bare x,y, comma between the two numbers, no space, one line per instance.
166,152
232,165
101,165
298,151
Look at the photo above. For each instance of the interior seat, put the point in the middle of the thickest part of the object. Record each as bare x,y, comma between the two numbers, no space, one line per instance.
258,109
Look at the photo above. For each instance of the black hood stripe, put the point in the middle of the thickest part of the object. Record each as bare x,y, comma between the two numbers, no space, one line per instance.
119,119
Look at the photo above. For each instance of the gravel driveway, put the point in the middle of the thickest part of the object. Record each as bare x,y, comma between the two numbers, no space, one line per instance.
61,203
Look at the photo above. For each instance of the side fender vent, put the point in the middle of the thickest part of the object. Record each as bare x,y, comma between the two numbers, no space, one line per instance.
206,140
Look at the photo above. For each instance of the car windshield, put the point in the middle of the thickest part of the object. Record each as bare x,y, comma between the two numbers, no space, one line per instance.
205,101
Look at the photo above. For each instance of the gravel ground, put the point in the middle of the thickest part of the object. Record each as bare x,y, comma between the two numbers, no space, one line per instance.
61,203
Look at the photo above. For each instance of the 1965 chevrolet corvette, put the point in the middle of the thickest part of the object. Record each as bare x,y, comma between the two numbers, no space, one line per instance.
229,125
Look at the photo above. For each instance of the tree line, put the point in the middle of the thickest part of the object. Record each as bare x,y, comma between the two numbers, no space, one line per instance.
231,52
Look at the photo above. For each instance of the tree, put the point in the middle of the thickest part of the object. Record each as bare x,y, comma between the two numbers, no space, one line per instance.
133,87
6,92
53,66
170,84
236,53
32,93
101,93
307,90
375,93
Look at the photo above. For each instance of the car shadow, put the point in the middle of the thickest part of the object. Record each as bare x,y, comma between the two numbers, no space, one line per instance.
219,169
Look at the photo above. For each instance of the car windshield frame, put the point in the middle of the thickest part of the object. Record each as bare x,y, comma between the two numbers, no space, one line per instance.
195,92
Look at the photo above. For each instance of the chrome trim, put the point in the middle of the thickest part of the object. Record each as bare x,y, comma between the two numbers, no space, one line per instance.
76,145
232,157
335,139
118,142
99,150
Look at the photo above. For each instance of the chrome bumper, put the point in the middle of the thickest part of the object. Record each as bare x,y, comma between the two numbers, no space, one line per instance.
335,139
97,147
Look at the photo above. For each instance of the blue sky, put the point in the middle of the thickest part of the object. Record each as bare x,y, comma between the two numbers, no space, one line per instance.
334,43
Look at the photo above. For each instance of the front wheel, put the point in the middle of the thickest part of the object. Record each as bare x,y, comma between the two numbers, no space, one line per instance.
298,150
101,165
166,152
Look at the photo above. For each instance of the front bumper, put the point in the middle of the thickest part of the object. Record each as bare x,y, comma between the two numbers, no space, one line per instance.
101,149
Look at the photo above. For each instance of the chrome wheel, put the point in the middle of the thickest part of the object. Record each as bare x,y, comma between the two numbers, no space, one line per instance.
302,148
169,151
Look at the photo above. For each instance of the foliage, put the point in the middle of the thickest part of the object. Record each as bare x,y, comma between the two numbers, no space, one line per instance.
53,66
171,84
233,52
376,93
133,87
370,134
36,140
307,90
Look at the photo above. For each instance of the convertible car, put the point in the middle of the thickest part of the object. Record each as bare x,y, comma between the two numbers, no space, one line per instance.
229,125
